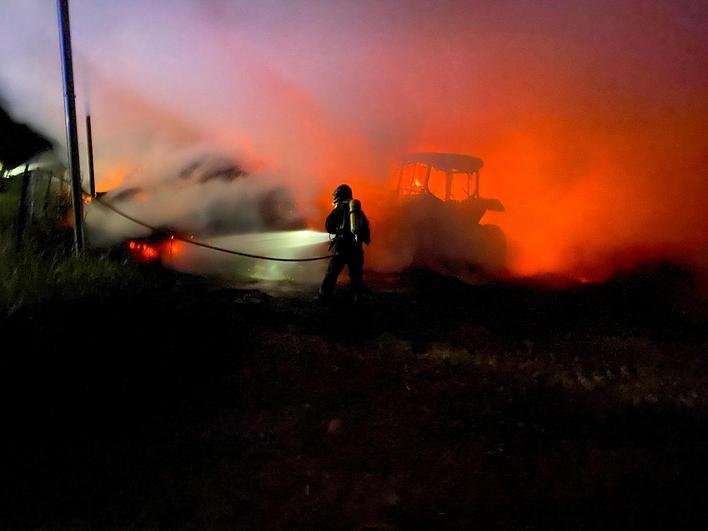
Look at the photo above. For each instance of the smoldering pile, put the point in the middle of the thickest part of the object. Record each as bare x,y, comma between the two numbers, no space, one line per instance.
209,195
210,198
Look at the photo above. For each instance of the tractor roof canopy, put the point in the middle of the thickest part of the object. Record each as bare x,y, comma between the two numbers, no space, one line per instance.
447,162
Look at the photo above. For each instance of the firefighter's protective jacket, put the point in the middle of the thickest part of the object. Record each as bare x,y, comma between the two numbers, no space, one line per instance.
338,224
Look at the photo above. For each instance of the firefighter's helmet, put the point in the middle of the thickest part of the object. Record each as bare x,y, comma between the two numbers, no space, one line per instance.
342,193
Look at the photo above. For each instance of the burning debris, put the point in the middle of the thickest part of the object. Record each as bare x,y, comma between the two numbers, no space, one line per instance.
209,197
217,220
144,251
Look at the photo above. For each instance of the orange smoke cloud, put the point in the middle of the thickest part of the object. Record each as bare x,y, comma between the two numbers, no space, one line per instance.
112,178
600,159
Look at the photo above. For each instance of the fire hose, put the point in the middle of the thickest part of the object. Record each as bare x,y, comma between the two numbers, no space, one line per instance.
196,242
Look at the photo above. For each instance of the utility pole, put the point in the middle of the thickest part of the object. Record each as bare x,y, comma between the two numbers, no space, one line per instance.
92,175
72,138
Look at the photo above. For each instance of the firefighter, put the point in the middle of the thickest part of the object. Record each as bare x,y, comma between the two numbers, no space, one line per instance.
350,229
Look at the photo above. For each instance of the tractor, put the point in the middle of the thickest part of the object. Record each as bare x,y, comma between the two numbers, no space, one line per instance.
441,208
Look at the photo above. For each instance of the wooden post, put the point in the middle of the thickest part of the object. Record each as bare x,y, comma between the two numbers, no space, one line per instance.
46,194
32,194
92,176
22,210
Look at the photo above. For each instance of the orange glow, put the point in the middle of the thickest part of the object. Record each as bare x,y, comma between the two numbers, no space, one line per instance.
149,252
172,247
112,178
586,194
593,135
144,252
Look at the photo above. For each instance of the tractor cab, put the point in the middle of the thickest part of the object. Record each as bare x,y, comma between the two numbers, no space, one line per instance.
446,177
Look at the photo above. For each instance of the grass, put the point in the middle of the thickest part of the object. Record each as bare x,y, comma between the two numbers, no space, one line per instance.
45,268
28,279
9,202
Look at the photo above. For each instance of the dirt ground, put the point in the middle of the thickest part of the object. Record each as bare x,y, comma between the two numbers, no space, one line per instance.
433,405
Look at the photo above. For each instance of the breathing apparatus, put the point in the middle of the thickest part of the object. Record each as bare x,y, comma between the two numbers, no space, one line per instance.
351,212
356,220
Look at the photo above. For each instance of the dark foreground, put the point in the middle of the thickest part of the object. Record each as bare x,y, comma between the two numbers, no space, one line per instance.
435,405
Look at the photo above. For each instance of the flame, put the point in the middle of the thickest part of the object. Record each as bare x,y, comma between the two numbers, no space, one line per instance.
173,247
144,251
150,252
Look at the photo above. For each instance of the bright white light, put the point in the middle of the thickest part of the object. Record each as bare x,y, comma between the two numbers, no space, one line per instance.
279,244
